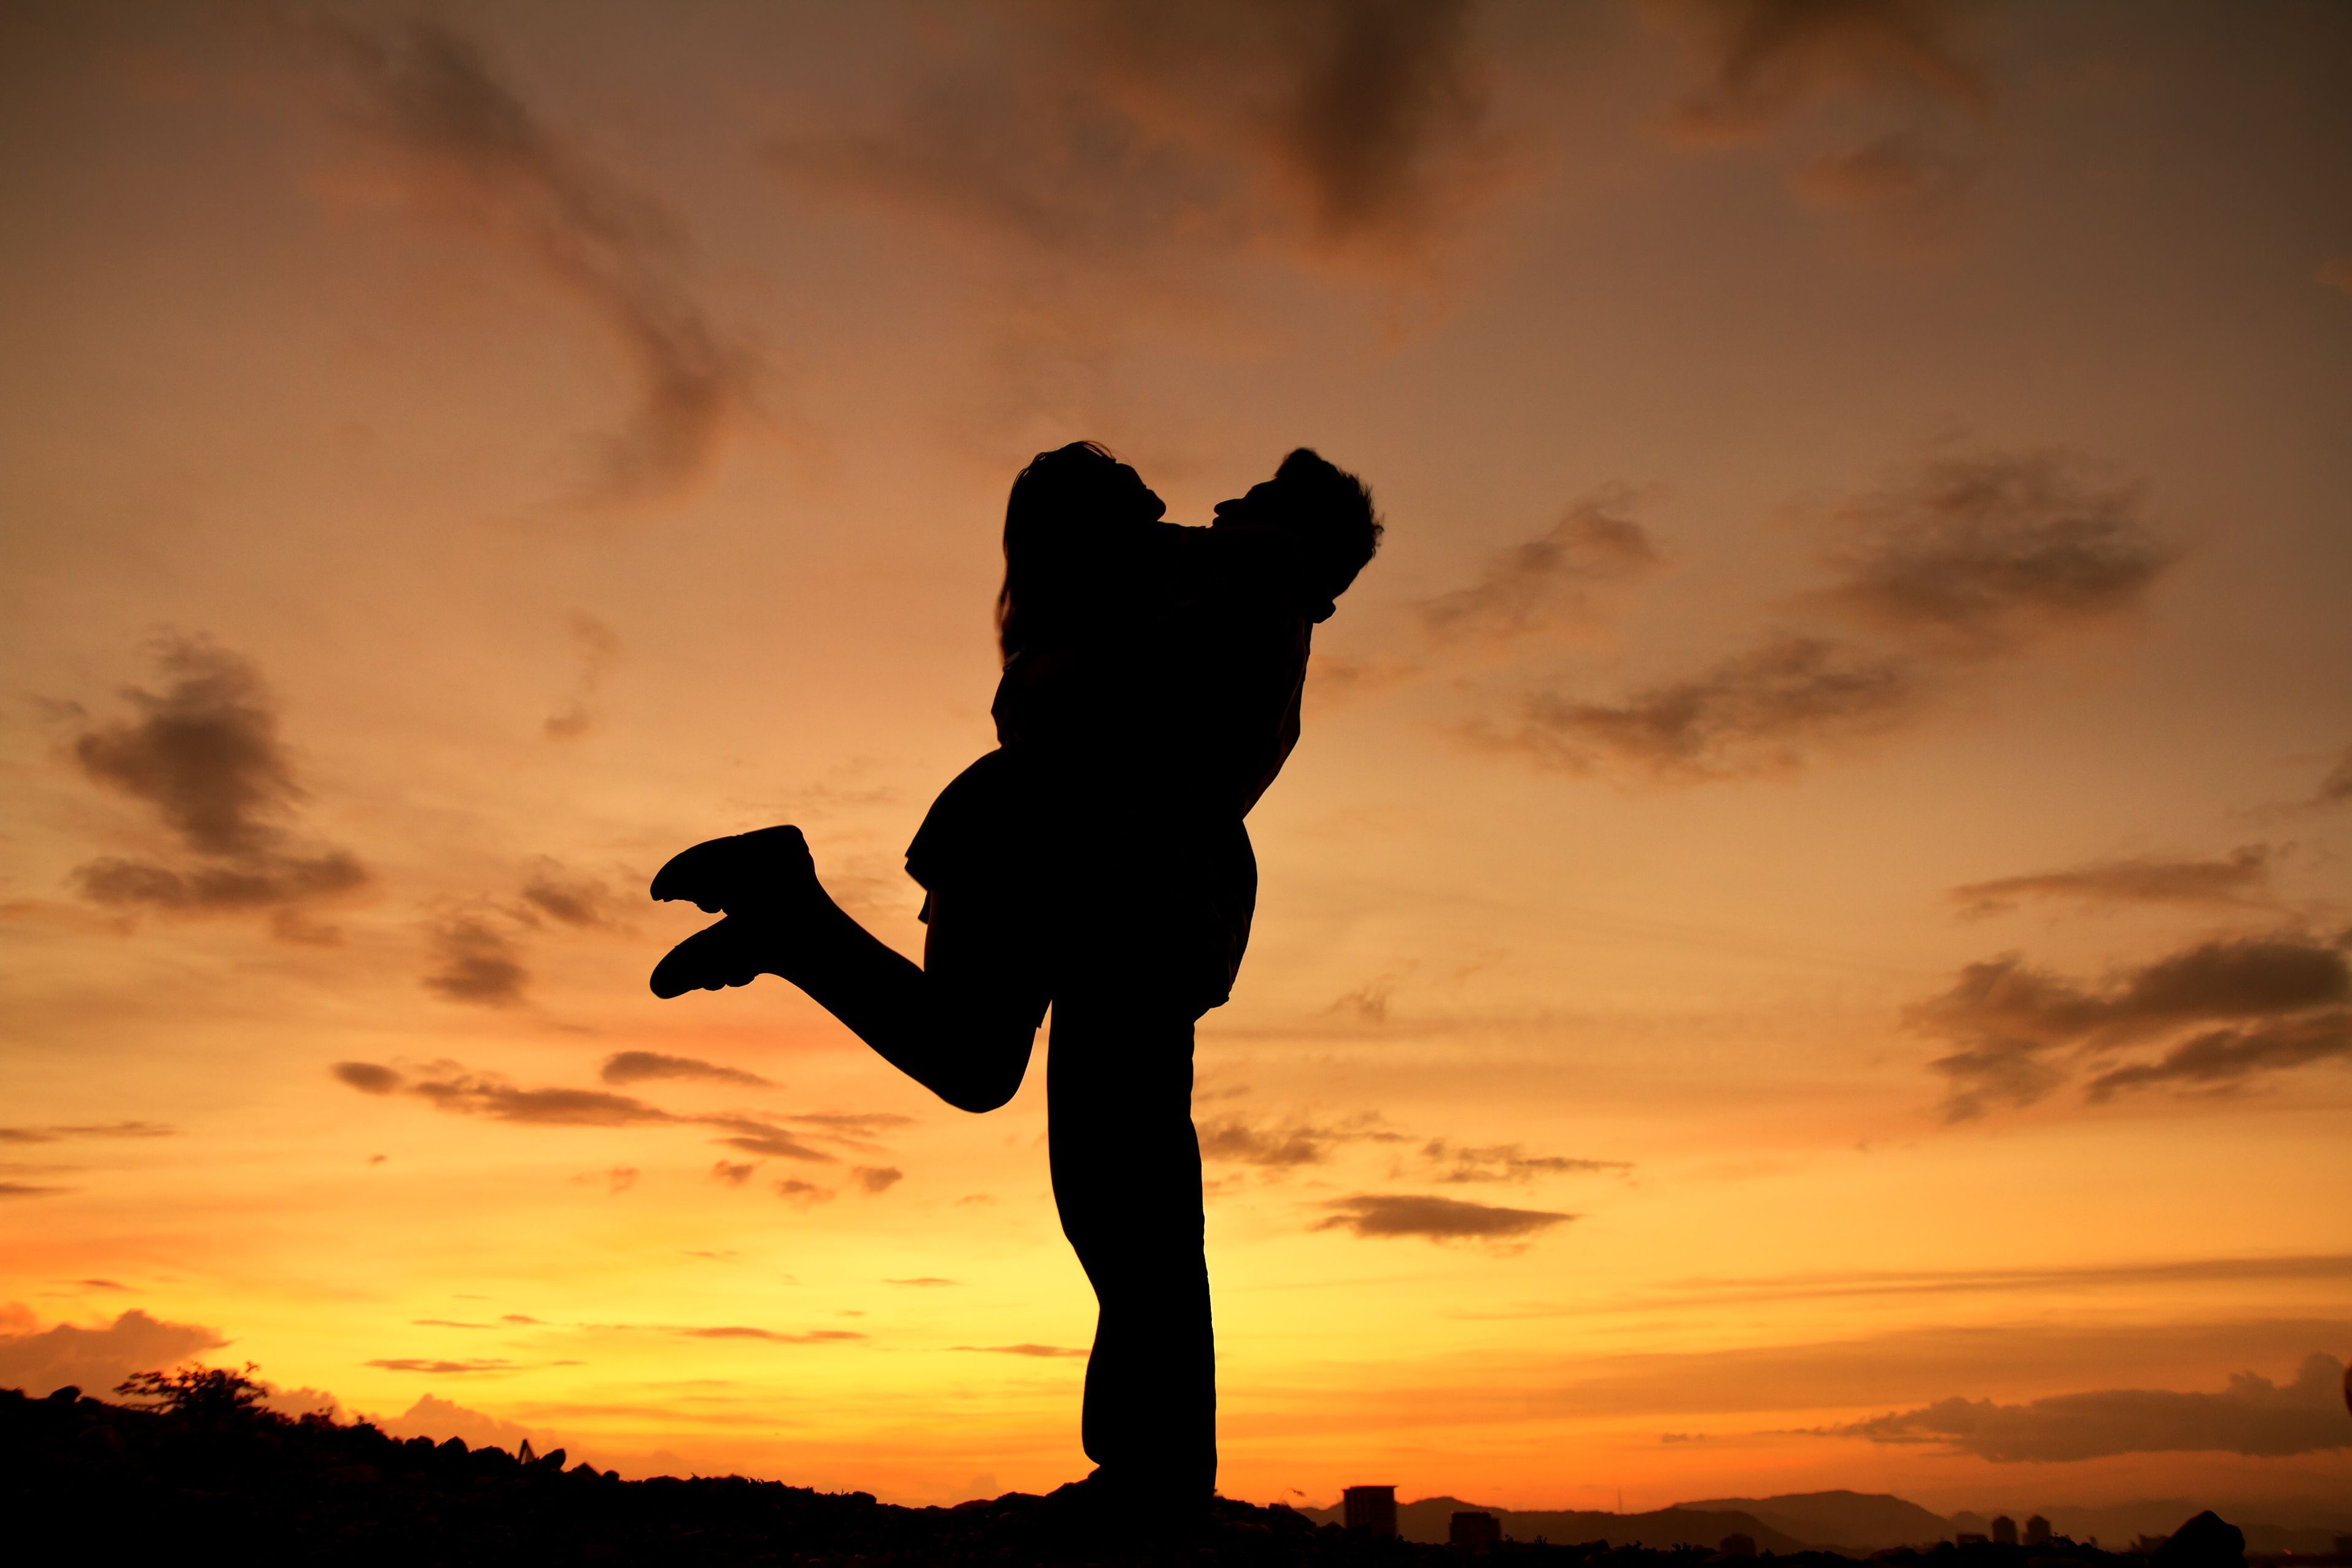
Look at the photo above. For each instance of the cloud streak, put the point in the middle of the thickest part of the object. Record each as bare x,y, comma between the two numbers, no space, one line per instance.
2252,1416
205,753
448,1087
2233,879
470,147
1439,1219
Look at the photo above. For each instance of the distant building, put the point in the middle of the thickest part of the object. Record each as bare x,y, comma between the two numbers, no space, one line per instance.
1370,1508
2037,1532
2004,1531
1474,1530
1739,1545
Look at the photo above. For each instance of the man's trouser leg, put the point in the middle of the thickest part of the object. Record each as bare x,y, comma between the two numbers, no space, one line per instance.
1127,1177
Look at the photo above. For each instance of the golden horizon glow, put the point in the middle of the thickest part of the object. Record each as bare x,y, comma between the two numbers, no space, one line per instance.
1859,649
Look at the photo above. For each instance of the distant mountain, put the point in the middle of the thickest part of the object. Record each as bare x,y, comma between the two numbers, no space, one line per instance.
1854,1522
1429,1520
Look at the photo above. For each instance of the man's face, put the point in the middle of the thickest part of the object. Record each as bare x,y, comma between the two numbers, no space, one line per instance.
1256,506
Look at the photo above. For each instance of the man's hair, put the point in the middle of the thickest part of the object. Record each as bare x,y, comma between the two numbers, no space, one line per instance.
1332,511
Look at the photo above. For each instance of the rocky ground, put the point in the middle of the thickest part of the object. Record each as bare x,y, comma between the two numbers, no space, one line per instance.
82,1479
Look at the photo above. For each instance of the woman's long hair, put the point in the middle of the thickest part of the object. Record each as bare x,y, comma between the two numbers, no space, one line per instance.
1058,523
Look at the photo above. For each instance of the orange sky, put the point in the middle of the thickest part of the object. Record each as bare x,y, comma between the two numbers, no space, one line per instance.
1815,888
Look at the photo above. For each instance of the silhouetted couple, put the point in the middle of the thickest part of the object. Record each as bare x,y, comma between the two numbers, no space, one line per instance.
1096,861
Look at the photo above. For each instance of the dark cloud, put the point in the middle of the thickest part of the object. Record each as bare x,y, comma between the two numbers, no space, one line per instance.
2145,879
476,962
803,1195
877,1178
1759,60
2221,1058
89,1130
2022,1031
1436,1218
2252,1416
96,1360
205,752
29,1190
1027,1349
1131,129
734,1174
1549,582
569,898
816,1337
472,149
367,1078
102,1285
638,1066
1508,1163
1965,562
441,1368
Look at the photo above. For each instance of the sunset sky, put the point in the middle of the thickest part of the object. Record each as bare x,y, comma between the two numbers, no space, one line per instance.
1805,943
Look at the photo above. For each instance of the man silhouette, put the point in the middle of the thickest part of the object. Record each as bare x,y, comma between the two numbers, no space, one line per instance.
1096,861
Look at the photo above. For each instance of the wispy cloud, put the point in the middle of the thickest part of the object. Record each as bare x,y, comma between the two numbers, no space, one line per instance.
1050,1352
2252,1415
1122,130
442,1367
1510,1162
468,147
599,648
1966,562
1550,582
206,754
1759,60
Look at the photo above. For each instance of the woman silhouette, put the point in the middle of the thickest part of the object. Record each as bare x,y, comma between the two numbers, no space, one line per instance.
1094,861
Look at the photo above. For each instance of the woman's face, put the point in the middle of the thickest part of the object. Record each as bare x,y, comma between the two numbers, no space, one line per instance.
1129,486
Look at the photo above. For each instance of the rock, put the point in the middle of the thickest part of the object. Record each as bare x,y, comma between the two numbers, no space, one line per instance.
2206,1541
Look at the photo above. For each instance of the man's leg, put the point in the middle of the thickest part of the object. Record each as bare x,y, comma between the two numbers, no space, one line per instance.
1127,1177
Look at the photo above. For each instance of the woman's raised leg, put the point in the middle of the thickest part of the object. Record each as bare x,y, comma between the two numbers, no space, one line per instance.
961,1024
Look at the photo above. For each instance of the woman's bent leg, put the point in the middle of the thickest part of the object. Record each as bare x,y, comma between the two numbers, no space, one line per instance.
1126,1178
961,1026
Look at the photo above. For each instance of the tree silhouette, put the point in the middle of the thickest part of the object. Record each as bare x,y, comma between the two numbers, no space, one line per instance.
199,1392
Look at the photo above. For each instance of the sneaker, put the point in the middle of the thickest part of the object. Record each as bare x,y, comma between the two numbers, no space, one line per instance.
712,959
748,870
